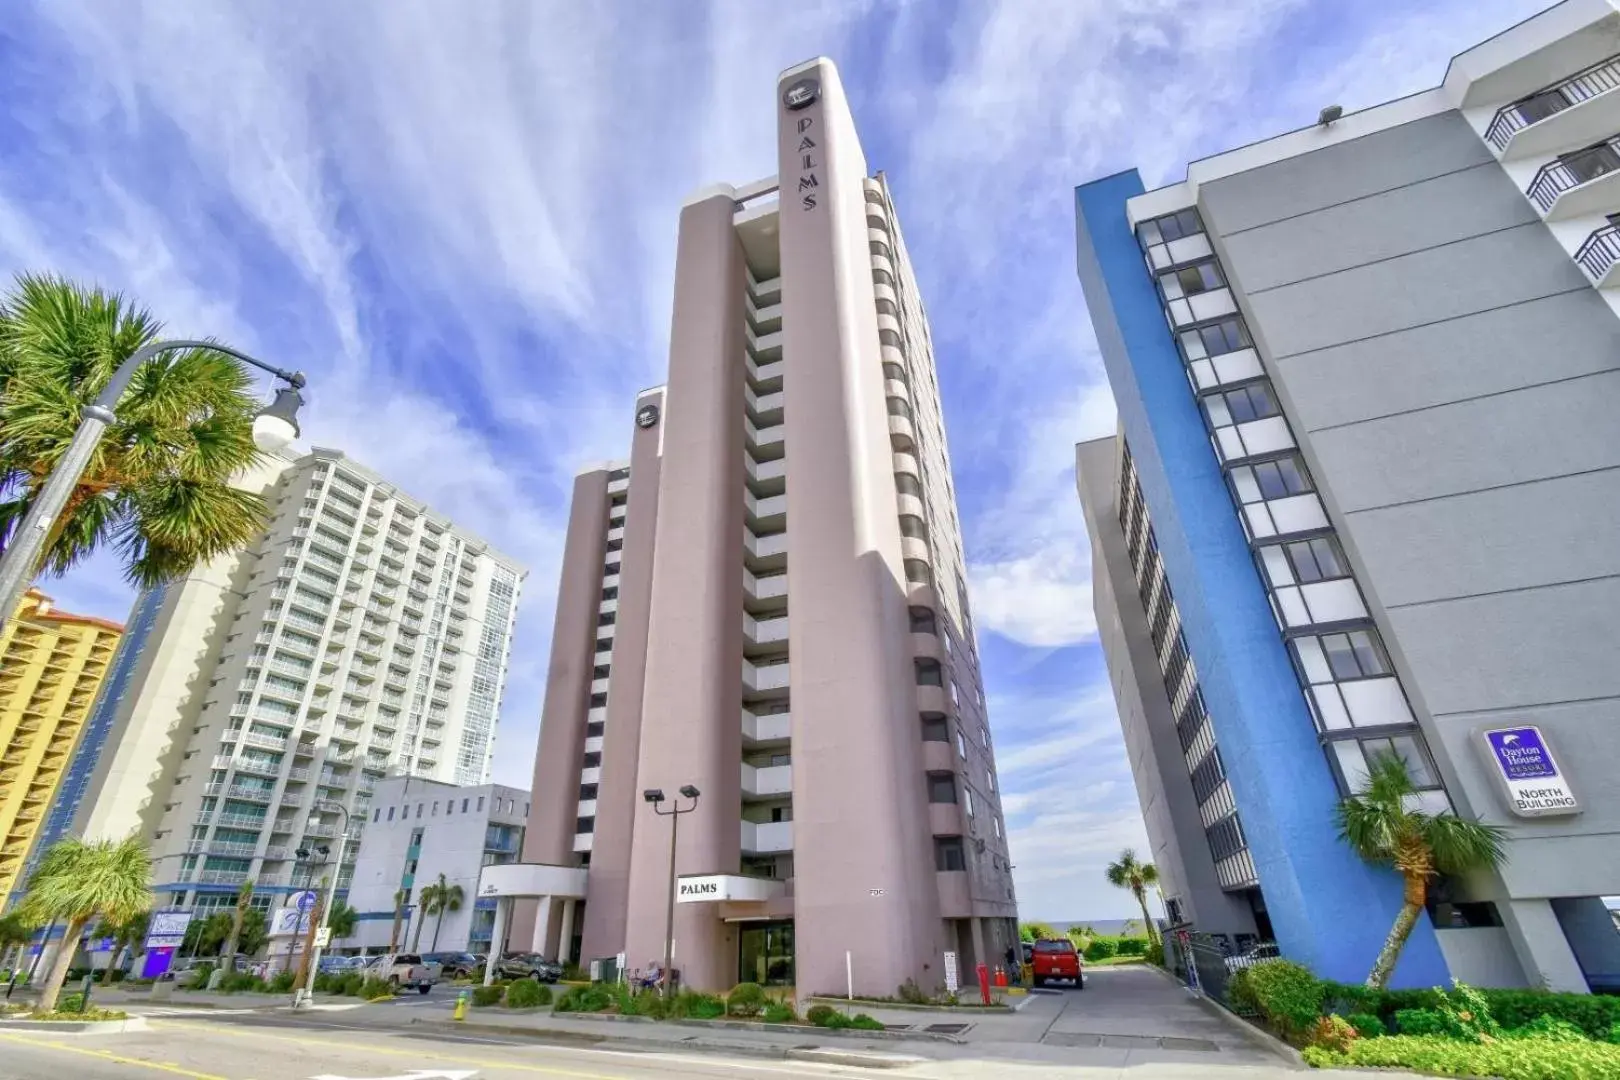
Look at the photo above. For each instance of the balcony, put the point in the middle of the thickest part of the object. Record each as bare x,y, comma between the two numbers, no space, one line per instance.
769,838
765,442
763,588
767,552
759,729
251,794
759,633
1585,181
1599,256
221,877
765,347
765,678
771,782
1577,110
765,409
766,377
902,435
765,514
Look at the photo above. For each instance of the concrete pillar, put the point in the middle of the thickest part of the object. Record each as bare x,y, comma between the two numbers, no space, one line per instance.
1543,950
542,926
692,733
497,937
980,943
565,937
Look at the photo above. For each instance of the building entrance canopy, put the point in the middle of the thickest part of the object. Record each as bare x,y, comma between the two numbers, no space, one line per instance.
715,888
532,880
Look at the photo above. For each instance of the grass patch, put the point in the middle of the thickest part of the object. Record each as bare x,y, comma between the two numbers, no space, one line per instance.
1510,1059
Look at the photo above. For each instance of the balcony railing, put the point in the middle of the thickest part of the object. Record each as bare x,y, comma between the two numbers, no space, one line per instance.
1572,170
1589,83
1600,252
221,877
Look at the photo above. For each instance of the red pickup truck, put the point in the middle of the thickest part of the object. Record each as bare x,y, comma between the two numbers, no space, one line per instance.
1056,958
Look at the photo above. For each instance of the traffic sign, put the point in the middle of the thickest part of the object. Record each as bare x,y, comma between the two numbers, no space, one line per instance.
323,937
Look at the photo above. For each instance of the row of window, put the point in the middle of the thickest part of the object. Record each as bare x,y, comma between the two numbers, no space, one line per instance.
501,805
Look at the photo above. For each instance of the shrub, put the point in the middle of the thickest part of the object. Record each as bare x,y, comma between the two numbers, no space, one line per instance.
91,1013
1131,946
1613,1035
703,1006
70,1003
1155,954
241,982
780,1012
527,994
204,973
862,1022
1240,996
1468,1011
374,988
745,999
485,996
1333,1033
912,994
1367,1025
1594,1014
1510,1059
1421,1022
838,1022
1287,995
1550,1028
1101,949
585,999
282,983
818,1014
350,984
651,1005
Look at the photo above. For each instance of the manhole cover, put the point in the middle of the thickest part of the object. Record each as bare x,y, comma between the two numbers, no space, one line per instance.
946,1029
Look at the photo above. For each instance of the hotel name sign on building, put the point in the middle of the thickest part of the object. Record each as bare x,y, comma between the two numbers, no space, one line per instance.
801,95
1523,764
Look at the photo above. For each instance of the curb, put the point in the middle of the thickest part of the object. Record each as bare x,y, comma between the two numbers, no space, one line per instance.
769,1029
77,1027
956,1010
869,1059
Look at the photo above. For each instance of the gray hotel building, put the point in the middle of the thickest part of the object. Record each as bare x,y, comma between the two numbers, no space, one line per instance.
1365,498
766,601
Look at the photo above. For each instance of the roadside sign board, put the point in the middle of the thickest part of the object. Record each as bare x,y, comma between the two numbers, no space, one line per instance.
304,901
167,929
323,937
1522,762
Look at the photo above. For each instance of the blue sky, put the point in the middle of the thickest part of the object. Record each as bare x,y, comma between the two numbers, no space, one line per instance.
459,219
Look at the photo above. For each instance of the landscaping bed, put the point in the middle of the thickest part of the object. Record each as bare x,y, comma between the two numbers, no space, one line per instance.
747,1003
1464,1031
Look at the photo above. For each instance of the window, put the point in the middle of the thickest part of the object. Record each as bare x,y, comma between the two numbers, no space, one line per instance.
610,593
1591,163
449,807
1192,280
1280,478
913,526
463,806
1223,337
1357,756
1240,406
585,825
390,813
1171,227
948,854
587,792
923,621
967,800
929,673
935,728
1357,654
906,484
480,803
918,573
941,787
1316,560
593,760
605,619
995,823
898,407
376,815
595,729
598,700
990,781
961,744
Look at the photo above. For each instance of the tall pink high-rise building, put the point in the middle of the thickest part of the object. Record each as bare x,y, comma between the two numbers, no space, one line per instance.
767,602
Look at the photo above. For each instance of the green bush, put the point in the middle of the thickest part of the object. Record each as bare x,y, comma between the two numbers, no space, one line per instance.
745,999
1613,1035
703,1006
585,999
204,973
1287,996
1367,1025
1510,1059
1101,949
1333,1033
1595,1014
1422,1022
527,994
485,996
70,1003
240,982
838,1022
655,1006
1547,1027
912,994
351,984
1155,953
1240,996
862,1022
818,1014
282,982
780,1012
373,988
1131,946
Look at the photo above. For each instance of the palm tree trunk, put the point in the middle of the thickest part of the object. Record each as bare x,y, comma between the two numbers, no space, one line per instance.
437,926
416,942
393,935
117,957
1414,896
1148,928
60,964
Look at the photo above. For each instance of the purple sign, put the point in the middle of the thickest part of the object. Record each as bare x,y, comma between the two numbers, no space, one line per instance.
157,962
1521,754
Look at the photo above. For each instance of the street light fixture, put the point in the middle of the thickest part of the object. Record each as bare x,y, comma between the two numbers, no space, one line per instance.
273,429
304,996
655,796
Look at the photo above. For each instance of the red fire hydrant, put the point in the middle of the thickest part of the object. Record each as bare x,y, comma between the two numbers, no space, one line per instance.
984,983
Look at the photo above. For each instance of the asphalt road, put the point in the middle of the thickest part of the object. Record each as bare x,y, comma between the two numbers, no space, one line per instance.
204,1050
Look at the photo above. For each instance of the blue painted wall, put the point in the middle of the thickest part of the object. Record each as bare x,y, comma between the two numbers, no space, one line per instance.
1329,910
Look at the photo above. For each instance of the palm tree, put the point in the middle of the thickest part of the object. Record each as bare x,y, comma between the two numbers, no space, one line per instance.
157,486
1384,830
244,901
15,931
77,882
437,899
1127,873
402,900
342,920
125,934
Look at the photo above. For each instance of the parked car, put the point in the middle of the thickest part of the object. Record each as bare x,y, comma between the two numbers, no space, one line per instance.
528,965
407,971
340,964
1056,958
455,965
1265,950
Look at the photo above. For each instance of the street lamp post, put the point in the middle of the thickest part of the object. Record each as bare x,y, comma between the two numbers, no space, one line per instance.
305,995
655,796
273,429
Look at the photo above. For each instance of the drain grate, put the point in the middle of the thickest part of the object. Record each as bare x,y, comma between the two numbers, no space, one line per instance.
947,1029
897,1027
1172,1043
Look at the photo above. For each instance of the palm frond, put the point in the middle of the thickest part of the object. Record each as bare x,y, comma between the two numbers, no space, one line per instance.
1462,846
79,881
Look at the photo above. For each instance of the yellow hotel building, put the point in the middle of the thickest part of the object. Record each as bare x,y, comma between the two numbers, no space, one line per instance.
51,667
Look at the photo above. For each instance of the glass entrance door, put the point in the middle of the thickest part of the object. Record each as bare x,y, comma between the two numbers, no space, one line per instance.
765,953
